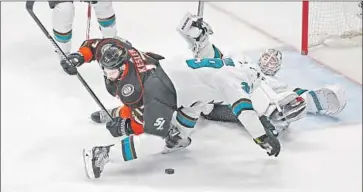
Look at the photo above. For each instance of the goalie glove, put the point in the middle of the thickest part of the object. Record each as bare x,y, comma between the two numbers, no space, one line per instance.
119,127
195,33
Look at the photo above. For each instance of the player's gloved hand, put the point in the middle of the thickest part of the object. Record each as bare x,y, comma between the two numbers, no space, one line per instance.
70,65
199,29
119,127
269,140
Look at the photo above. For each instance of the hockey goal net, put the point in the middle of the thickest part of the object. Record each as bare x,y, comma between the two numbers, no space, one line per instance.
333,24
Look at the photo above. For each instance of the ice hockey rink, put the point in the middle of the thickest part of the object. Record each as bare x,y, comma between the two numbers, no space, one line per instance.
45,113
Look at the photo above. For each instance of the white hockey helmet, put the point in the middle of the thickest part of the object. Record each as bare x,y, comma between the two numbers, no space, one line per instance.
270,61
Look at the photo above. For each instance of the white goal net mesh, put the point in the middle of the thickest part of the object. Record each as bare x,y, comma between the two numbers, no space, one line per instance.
335,24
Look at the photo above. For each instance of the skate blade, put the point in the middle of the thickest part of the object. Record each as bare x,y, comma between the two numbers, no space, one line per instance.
171,150
167,150
87,160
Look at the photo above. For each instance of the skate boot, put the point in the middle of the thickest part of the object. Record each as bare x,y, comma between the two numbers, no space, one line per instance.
95,160
174,141
102,117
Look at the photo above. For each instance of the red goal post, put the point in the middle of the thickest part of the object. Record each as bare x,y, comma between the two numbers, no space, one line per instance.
333,24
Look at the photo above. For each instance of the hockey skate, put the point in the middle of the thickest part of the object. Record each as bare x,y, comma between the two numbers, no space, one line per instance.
102,117
95,160
174,141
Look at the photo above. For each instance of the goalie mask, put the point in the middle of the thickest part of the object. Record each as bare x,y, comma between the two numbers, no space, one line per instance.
112,61
270,61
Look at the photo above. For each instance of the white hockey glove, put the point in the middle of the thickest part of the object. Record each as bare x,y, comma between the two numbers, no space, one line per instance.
197,35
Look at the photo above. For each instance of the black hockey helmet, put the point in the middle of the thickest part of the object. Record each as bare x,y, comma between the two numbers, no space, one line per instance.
113,56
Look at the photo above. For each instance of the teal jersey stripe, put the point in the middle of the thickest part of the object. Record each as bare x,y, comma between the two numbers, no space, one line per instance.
300,91
108,22
185,121
126,147
63,38
241,107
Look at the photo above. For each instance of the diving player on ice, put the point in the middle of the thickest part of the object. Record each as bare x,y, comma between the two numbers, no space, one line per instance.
139,81
183,117
329,100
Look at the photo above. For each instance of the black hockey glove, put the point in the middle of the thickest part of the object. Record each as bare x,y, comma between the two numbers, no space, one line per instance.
119,127
70,66
269,140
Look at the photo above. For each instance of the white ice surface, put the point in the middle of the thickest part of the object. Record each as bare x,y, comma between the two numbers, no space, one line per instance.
45,118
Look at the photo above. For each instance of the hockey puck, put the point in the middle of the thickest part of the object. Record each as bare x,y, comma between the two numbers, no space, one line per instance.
169,171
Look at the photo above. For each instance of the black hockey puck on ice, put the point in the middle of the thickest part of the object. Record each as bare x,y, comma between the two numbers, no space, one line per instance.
169,171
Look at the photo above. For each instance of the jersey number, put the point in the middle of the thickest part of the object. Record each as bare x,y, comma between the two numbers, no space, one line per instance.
245,87
209,62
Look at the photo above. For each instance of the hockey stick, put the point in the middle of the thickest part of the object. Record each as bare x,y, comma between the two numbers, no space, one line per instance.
200,14
88,20
29,7
200,11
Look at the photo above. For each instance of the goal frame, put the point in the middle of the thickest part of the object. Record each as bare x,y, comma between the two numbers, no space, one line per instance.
345,40
305,28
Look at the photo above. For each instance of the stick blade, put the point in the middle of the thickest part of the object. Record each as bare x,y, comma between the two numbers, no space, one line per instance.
29,5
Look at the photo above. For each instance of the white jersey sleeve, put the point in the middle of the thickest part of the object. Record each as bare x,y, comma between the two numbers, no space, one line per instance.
275,84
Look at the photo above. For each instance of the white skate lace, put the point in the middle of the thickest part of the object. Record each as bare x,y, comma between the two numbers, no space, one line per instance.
104,117
101,157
